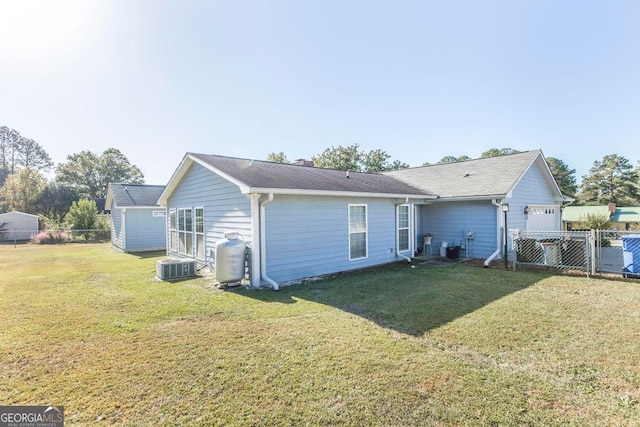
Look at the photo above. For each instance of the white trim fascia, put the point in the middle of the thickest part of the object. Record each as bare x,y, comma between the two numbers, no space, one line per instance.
156,207
303,192
471,198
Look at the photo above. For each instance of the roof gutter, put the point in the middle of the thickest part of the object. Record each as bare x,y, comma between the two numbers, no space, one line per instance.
263,245
303,192
398,254
498,243
470,198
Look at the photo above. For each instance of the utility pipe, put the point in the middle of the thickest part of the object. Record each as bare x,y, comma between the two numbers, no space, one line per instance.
263,245
406,201
498,240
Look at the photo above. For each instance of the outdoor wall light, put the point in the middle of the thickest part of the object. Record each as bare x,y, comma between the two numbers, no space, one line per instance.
526,210
505,207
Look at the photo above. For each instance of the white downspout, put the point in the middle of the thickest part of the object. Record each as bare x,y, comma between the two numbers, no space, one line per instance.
498,236
255,240
263,245
406,201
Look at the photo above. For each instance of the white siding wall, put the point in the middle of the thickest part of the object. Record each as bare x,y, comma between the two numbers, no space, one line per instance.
448,222
309,236
116,228
144,232
225,208
19,225
531,190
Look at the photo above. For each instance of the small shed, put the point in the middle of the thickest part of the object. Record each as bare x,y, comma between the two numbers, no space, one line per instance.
138,223
17,226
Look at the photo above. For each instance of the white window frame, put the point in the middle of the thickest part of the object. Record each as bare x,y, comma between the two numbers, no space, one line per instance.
184,233
406,229
358,231
199,234
173,230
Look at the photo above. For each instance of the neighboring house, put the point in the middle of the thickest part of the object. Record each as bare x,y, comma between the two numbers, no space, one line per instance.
100,205
138,223
18,226
574,217
301,221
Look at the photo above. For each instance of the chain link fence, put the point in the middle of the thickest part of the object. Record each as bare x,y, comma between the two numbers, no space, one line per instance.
565,250
591,252
53,236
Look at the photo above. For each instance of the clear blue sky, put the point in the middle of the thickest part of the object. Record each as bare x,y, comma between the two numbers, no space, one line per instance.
419,79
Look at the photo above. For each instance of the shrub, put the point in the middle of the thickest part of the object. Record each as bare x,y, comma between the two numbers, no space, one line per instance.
50,236
101,228
82,216
597,222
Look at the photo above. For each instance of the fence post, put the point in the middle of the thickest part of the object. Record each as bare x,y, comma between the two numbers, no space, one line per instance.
593,251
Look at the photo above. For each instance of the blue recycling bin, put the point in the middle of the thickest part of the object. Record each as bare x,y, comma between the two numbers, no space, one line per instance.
631,255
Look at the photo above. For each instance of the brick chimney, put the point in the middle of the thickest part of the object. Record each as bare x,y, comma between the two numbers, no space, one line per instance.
303,162
612,209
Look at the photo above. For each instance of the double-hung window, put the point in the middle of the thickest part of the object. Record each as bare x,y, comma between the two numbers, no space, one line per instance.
173,230
403,228
185,231
357,231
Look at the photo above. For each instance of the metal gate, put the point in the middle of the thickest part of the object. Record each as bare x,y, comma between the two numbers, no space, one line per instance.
566,250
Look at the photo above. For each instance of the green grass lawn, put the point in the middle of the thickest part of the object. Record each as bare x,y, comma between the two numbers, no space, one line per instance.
93,330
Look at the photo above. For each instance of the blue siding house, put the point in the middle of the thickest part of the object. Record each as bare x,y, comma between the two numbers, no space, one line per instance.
138,223
472,195
299,221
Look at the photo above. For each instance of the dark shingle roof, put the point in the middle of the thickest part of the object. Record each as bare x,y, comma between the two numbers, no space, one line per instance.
472,178
281,176
126,195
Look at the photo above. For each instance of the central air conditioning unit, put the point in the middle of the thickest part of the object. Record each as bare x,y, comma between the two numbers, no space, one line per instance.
172,269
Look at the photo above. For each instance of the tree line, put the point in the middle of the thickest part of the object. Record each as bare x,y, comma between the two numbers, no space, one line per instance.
610,180
84,175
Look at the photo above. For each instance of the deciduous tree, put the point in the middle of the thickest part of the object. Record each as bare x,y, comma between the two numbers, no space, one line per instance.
342,158
277,157
499,152
83,215
352,159
55,200
448,159
90,174
22,189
